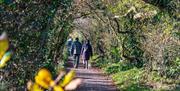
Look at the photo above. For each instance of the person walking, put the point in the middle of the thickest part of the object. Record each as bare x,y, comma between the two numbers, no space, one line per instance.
69,45
76,51
86,53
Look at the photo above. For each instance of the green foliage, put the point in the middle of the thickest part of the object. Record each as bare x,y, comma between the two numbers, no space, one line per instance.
115,54
155,76
64,61
129,75
160,3
129,80
3,85
112,68
37,33
164,83
65,55
137,87
117,67
150,42
98,61
174,69
132,50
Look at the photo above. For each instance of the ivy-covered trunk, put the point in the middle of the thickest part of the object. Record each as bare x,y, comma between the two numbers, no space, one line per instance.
37,32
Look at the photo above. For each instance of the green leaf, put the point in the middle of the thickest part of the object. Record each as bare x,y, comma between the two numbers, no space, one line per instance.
1,1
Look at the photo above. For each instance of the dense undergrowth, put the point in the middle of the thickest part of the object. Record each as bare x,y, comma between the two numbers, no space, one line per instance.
130,78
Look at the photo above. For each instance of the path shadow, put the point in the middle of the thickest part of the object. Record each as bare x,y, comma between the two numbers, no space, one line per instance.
93,80
95,87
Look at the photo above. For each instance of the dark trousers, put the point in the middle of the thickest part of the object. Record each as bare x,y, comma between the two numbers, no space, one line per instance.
76,60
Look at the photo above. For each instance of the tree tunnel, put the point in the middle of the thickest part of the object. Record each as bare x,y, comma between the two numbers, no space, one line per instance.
130,33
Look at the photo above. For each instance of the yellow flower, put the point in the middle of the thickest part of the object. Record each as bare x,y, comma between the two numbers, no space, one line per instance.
44,78
43,73
58,88
67,78
36,87
52,84
5,59
4,44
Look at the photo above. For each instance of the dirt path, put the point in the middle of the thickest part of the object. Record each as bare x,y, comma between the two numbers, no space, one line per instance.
94,80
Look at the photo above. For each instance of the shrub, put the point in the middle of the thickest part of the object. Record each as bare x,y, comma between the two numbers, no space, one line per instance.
117,67
174,69
113,68
129,80
98,61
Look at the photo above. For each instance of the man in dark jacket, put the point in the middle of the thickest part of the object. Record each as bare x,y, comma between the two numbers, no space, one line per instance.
86,53
76,51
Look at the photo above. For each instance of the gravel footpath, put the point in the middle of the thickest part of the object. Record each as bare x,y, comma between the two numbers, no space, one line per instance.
94,80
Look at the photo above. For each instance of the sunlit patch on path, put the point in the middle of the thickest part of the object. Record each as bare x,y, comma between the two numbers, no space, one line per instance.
94,80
